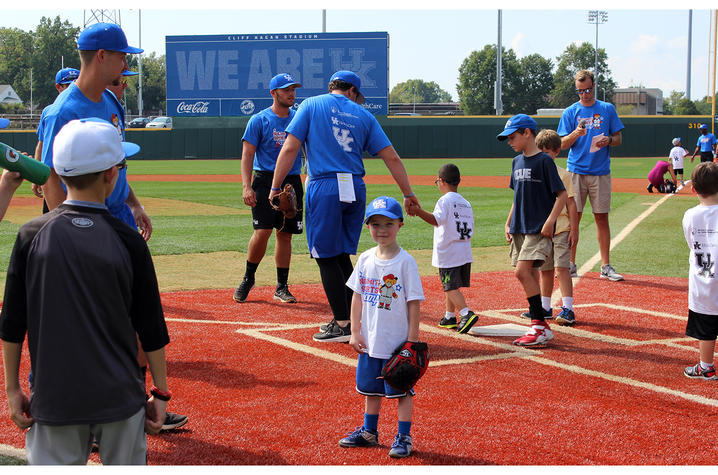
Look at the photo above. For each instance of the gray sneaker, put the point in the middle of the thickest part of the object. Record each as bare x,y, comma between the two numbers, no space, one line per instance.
608,272
334,333
572,269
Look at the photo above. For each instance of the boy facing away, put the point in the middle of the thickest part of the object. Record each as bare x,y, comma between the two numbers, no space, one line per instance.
453,221
565,237
677,156
81,285
700,226
539,197
384,315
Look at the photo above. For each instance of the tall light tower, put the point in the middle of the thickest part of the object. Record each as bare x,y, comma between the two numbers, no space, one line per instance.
597,17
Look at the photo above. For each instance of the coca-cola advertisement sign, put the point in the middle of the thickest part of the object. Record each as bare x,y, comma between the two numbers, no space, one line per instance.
199,107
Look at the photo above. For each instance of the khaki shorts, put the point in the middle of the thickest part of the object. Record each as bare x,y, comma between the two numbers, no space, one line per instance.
560,255
598,189
529,247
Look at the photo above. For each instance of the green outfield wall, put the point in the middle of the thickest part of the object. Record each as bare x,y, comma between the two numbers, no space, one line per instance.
413,137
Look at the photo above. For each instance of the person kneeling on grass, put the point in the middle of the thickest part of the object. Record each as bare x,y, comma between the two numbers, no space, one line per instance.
699,226
381,321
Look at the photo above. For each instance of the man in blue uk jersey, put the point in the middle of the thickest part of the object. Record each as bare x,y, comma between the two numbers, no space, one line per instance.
588,128
336,130
706,145
261,143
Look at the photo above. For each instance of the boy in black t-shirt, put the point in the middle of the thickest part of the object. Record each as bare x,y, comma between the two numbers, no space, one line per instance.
81,285
539,197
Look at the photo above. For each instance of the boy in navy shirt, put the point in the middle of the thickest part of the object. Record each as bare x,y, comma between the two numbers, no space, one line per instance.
539,197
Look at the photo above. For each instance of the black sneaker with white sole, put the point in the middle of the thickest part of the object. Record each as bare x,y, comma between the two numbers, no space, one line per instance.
324,327
467,321
174,421
334,333
284,295
547,314
242,291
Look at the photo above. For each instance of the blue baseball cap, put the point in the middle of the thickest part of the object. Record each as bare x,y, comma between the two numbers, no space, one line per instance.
66,75
281,81
385,206
519,121
351,78
107,36
127,72
4,123
703,127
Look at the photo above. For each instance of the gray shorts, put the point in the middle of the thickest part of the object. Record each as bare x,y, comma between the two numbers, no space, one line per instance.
121,443
596,187
529,247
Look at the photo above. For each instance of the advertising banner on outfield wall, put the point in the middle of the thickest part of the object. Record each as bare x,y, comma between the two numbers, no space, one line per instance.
228,75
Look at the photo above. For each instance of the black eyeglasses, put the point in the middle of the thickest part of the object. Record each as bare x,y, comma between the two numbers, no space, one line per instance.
436,182
121,165
584,91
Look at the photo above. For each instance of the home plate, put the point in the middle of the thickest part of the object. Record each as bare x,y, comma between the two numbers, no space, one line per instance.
504,329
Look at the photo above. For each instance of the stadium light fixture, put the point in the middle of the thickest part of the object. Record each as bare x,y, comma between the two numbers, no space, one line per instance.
597,17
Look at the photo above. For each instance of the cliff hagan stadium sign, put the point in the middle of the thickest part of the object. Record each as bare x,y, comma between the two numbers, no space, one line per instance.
228,75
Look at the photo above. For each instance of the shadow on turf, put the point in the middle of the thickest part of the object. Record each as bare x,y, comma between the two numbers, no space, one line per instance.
634,280
216,375
185,450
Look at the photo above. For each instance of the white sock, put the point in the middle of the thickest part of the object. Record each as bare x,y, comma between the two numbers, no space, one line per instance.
546,302
464,311
449,315
567,302
705,365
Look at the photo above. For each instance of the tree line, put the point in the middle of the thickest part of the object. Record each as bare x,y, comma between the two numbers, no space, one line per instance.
32,58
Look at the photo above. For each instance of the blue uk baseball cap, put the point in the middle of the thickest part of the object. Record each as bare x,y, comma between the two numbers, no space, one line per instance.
703,127
107,36
66,75
385,206
519,121
127,72
351,78
281,81
4,123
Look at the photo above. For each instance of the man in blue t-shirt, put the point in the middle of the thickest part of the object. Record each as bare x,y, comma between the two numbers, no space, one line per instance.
706,145
336,130
262,140
588,127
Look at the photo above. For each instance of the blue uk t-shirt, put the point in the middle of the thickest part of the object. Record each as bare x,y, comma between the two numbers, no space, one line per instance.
706,142
341,131
600,118
267,131
535,182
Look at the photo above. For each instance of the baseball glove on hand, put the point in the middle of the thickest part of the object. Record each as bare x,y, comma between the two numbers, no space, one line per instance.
407,364
286,201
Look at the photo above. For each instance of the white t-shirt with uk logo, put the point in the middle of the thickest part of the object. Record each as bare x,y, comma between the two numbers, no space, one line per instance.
385,287
700,226
452,235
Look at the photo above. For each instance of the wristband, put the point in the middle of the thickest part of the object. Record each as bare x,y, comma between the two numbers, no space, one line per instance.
610,139
275,189
161,395
410,195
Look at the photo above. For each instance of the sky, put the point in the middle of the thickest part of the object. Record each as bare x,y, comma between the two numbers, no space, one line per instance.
645,46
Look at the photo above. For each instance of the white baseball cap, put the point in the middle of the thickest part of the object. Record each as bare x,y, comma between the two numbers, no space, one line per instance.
85,146
676,141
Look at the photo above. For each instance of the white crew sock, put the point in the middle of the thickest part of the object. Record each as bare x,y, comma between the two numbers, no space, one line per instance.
546,302
567,302
449,315
464,311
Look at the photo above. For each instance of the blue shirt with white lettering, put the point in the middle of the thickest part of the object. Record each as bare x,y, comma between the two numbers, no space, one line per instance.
600,118
706,142
535,182
336,131
266,131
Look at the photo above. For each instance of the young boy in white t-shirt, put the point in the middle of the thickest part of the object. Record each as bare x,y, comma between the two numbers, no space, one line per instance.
453,221
676,155
384,315
700,226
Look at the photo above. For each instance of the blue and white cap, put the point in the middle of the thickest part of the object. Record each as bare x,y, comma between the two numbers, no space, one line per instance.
703,127
4,122
519,121
107,36
676,141
385,206
280,81
66,75
351,78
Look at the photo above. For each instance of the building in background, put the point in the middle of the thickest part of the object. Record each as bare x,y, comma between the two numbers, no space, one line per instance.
8,95
645,101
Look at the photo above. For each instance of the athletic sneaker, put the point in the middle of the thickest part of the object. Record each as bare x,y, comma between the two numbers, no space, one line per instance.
699,373
241,293
324,327
334,333
401,447
539,333
547,314
360,438
283,294
467,321
572,269
608,272
650,188
174,421
448,322
566,317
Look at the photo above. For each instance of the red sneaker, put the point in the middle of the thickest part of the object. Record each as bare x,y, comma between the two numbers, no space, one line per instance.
539,333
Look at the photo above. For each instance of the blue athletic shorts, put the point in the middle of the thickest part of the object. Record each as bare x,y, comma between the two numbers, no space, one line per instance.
333,227
368,370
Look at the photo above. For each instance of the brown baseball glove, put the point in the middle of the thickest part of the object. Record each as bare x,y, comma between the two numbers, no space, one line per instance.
286,201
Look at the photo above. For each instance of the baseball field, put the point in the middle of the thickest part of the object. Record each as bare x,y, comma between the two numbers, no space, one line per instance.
258,390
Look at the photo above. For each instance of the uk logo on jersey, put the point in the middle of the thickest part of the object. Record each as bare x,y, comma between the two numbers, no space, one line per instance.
342,138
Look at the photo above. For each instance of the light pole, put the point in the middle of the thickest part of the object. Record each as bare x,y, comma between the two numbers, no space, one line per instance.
598,17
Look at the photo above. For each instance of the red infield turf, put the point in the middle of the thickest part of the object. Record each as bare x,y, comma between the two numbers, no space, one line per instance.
259,390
